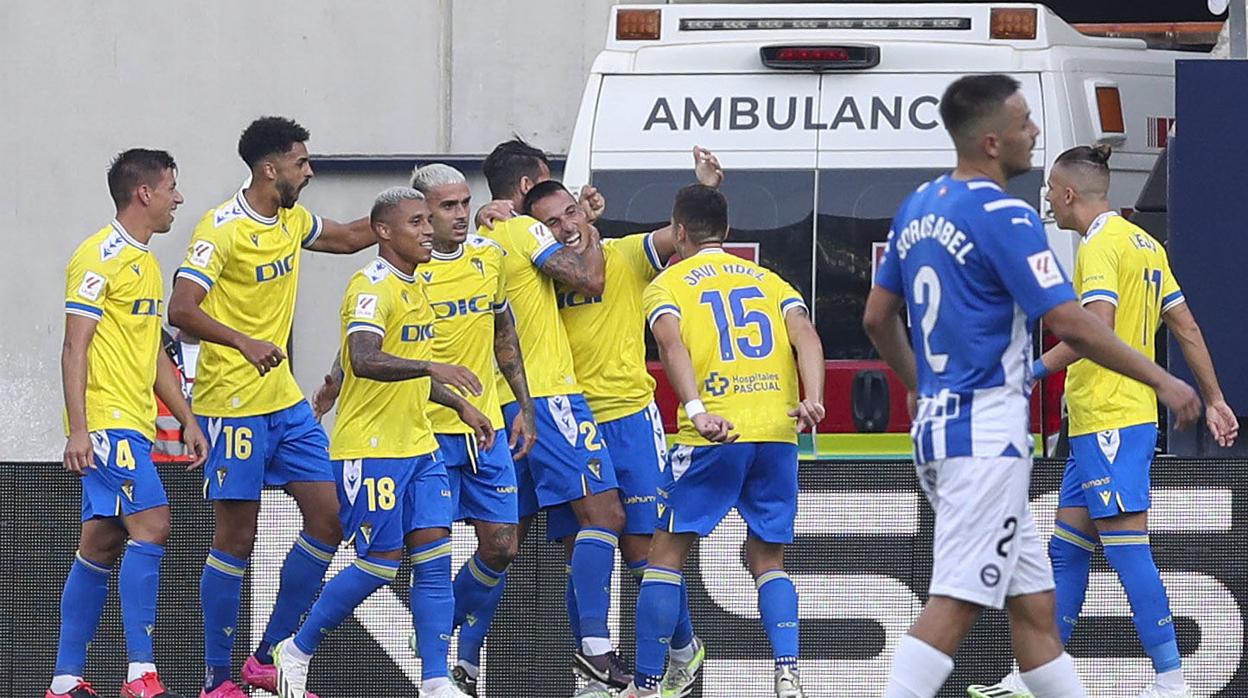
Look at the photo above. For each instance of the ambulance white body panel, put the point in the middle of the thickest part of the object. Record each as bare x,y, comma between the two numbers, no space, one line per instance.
819,159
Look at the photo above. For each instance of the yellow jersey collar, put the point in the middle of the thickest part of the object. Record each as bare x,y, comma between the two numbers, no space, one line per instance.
121,230
251,212
1098,223
448,256
710,250
409,278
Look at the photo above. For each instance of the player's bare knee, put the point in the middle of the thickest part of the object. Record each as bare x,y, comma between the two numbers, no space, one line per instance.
763,557
324,529
150,526
602,510
497,545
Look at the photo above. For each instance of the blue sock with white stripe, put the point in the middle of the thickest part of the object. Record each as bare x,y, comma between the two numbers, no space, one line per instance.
593,562
1070,551
301,577
138,585
478,589
683,634
777,606
82,602
574,613
1128,552
342,594
658,611
220,594
433,606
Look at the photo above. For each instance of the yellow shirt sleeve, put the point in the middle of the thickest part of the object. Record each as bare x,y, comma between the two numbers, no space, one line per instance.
1097,274
365,308
1171,294
500,293
536,241
638,250
658,300
789,297
303,224
86,283
207,254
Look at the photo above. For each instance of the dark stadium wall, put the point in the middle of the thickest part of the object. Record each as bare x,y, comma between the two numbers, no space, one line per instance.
861,564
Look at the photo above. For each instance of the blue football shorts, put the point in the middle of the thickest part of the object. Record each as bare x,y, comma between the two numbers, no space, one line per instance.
248,454
124,480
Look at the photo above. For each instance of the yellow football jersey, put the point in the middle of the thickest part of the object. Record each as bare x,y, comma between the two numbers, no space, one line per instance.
607,333
527,243
385,419
113,279
466,290
731,314
1120,263
249,264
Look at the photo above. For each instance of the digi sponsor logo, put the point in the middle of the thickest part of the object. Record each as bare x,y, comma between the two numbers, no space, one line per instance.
572,299
417,333
146,306
275,269
444,310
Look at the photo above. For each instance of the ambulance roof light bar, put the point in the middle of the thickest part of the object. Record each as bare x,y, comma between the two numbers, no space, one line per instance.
689,24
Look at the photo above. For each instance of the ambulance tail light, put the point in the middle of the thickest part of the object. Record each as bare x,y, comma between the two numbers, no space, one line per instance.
1012,23
820,58
1109,104
638,25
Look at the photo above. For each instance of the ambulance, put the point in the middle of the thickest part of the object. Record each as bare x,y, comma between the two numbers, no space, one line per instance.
825,117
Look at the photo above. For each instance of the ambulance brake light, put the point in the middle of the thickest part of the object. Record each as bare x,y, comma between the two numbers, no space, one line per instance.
1012,23
819,58
638,25
1109,104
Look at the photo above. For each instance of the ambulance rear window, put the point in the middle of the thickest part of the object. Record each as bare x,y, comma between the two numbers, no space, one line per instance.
772,216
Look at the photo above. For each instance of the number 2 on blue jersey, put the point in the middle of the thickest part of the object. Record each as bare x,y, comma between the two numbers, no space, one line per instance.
742,319
927,294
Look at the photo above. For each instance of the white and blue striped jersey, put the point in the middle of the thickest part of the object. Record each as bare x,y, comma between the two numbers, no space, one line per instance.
976,271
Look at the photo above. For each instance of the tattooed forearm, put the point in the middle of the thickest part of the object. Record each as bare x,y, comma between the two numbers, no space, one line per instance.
508,357
444,396
369,361
582,271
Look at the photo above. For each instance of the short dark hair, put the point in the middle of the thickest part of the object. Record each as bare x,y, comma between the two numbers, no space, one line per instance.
269,135
135,167
1094,156
548,188
508,162
703,211
971,99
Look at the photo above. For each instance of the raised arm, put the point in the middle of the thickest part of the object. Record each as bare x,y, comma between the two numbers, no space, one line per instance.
186,314
679,368
344,238
1219,416
810,367
709,172
511,364
79,331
